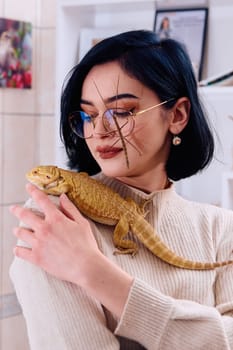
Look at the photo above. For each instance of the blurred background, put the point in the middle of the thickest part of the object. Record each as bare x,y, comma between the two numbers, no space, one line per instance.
62,31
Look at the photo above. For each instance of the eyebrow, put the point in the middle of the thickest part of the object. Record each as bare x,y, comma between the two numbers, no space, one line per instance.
110,99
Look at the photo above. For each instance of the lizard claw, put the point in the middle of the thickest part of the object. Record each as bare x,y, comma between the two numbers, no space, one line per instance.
131,251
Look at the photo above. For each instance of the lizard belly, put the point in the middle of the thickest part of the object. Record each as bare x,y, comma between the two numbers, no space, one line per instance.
99,215
100,219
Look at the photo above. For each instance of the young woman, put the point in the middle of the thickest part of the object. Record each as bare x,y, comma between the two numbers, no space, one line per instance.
131,116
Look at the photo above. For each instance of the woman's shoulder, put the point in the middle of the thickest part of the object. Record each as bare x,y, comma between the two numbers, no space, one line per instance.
205,211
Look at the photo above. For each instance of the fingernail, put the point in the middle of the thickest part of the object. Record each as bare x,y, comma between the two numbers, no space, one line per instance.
63,196
29,185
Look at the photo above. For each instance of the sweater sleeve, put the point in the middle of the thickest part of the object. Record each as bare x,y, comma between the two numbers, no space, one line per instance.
160,322
59,315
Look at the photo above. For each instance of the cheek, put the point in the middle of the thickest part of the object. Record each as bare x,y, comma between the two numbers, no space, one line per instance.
144,131
154,132
90,145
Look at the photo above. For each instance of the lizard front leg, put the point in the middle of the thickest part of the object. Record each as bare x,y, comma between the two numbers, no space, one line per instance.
123,245
58,189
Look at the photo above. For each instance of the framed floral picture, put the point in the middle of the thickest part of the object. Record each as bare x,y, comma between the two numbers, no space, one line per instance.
187,25
15,54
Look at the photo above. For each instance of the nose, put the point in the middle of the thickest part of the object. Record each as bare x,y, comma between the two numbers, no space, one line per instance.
98,128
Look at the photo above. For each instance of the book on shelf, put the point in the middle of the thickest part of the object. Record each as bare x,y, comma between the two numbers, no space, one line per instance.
224,79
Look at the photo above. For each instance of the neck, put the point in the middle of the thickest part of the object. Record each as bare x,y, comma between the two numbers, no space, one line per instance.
149,182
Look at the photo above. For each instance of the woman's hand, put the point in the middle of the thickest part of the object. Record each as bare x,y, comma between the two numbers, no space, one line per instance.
60,241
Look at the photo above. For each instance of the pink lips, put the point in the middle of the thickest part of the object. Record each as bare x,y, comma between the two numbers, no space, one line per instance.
107,152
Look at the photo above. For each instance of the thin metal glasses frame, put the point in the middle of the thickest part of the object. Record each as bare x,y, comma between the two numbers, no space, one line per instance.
115,119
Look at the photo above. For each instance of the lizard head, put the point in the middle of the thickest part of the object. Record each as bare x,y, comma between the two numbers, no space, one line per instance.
48,178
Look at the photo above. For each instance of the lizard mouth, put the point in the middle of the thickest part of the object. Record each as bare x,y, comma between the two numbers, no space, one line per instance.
54,183
51,185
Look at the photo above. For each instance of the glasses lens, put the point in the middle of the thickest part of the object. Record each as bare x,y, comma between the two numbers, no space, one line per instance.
81,124
118,119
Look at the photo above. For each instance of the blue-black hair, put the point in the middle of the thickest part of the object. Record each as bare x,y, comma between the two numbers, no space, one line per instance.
164,67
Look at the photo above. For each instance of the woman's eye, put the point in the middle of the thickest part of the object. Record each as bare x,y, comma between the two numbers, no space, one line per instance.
122,113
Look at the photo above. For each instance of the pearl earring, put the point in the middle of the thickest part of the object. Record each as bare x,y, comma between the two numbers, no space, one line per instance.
176,141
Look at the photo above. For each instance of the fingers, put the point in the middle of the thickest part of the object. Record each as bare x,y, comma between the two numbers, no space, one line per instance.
49,209
51,212
69,209
25,235
24,253
27,216
41,199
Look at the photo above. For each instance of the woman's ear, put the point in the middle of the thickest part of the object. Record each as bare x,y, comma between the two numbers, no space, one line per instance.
179,115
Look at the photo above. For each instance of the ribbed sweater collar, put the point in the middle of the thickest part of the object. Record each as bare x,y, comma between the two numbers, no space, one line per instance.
157,197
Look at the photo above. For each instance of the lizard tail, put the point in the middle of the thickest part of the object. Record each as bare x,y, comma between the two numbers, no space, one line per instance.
152,241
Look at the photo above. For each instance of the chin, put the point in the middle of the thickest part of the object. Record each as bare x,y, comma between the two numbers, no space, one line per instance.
115,170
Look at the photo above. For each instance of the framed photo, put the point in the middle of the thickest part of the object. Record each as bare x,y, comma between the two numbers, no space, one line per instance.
15,54
187,25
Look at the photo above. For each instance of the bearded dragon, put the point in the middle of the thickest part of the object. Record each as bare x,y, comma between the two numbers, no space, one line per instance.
103,205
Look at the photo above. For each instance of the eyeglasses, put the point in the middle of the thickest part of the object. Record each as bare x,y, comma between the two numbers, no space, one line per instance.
115,120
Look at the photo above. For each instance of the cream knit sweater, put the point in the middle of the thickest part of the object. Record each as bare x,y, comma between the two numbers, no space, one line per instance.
168,308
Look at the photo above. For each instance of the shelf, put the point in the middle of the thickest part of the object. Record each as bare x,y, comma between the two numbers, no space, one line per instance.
74,15
77,3
108,6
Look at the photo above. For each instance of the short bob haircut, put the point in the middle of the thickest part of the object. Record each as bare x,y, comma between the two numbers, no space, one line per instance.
164,67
